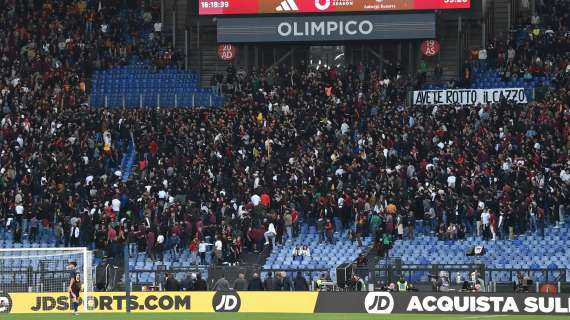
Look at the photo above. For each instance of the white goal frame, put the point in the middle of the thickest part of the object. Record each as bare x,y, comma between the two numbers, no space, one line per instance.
87,269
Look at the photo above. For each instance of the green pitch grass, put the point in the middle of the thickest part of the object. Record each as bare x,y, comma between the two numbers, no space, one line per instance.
264,316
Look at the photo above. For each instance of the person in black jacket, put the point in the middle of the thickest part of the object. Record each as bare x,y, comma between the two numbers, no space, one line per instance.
300,283
200,284
286,284
188,283
277,282
171,283
255,283
268,282
240,284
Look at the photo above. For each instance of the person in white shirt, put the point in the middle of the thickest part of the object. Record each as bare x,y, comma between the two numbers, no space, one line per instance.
485,220
158,27
501,225
255,199
74,235
116,205
297,253
218,250
269,147
23,223
306,251
20,210
270,234
344,128
483,54
160,247
202,248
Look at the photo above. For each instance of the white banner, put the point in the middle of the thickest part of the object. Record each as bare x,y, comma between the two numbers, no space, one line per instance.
468,96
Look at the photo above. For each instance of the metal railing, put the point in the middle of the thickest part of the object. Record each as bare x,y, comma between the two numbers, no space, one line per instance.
30,279
155,100
138,276
421,273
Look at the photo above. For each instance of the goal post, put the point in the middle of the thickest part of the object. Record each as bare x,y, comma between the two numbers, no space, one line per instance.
45,270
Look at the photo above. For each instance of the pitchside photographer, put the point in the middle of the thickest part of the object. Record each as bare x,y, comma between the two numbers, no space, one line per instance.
357,284
523,282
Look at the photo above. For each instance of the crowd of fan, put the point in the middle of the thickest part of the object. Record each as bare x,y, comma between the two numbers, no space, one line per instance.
336,148
538,46
49,49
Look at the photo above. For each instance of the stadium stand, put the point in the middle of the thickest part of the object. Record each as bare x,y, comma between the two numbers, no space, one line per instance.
338,146
140,85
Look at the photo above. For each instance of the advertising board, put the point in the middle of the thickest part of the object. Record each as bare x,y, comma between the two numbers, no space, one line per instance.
326,28
261,7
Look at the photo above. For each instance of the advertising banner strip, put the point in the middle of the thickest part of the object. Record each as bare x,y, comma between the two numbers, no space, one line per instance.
326,28
164,302
293,302
468,96
111,302
464,303
292,7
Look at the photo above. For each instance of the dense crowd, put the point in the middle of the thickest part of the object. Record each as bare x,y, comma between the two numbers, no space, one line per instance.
335,148
538,46
49,49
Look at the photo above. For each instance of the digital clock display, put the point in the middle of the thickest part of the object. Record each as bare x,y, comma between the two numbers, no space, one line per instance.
215,4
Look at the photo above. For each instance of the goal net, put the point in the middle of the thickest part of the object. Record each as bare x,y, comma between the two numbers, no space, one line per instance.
46,270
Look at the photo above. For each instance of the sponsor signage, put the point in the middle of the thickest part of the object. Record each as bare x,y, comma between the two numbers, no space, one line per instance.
226,302
401,303
108,302
5,303
226,51
468,96
326,28
293,302
430,48
252,7
379,303
162,302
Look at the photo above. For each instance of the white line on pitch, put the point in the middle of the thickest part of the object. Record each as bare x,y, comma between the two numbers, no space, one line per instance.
486,317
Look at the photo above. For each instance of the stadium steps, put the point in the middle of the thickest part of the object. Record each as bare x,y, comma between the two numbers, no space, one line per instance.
501,17
448,55
475,36
180,10
204,56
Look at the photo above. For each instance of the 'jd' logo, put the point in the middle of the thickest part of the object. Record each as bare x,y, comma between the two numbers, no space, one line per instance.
226,302
379,302
5,303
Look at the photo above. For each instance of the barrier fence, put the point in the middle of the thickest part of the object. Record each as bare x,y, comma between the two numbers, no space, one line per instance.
292,302
420,273
156,277
154,100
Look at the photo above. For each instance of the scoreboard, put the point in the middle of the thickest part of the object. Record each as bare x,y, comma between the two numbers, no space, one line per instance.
291,7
